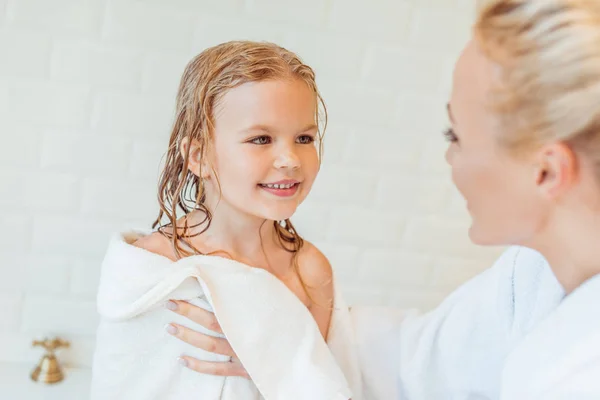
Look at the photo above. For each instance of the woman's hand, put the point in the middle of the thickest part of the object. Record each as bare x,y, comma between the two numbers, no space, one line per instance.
209,343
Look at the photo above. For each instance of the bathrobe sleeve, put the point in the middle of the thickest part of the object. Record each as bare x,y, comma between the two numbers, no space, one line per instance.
456,351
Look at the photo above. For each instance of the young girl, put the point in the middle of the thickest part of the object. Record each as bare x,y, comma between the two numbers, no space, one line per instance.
243,154
244,151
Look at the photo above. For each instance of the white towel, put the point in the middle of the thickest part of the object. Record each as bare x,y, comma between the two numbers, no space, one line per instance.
271,331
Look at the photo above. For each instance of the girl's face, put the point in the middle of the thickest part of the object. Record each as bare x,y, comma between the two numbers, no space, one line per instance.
503,193
264,152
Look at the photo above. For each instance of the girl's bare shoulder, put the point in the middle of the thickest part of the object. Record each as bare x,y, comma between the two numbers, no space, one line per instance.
315,268
156,243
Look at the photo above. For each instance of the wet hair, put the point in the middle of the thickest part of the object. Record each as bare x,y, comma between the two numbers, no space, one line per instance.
205,80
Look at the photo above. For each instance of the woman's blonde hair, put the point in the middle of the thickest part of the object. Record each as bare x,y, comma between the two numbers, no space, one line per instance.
205,80
548,52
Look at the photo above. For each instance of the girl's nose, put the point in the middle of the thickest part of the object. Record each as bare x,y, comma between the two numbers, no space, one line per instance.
287,160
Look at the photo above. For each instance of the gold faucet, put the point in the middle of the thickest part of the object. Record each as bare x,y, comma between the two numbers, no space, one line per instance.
48,369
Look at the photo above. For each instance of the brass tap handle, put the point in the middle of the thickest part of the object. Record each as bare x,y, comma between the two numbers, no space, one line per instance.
51,345
48,369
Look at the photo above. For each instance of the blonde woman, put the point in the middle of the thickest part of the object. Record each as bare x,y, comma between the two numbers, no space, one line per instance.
525,154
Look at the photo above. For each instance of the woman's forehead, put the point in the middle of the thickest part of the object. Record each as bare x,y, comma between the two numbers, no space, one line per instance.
475,75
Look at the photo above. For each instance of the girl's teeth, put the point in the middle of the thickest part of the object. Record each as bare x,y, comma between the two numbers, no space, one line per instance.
277,186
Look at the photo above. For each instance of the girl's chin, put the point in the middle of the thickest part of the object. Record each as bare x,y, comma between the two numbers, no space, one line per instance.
279,213
279,216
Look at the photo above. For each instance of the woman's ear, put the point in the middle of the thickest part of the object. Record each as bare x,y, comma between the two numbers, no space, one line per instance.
197,165
556,169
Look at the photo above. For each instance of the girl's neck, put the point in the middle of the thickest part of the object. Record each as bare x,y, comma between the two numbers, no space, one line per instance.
242,236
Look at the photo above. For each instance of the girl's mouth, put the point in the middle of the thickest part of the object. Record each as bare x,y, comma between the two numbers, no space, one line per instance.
281,189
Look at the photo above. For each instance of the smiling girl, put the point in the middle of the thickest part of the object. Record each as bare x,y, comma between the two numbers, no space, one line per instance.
243,155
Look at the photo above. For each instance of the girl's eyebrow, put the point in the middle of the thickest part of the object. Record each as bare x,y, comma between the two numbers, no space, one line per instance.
257,128
310,127
269,130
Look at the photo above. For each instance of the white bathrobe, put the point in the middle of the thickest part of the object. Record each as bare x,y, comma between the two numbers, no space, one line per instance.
458,350
271,331
560,359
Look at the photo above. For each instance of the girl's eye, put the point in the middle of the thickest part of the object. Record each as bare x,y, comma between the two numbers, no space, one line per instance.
261,140
305,139
450,135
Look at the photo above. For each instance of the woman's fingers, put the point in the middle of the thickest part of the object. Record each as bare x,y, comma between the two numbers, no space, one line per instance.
196,314
205,342
231,368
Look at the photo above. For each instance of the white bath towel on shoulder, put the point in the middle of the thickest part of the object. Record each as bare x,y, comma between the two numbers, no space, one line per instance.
271,331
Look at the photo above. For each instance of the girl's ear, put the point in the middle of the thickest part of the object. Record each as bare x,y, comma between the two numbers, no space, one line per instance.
196,165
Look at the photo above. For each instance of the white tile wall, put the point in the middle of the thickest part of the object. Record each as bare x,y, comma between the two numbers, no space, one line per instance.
86,99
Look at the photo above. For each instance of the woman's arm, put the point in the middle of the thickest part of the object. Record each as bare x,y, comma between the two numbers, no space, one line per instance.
457,350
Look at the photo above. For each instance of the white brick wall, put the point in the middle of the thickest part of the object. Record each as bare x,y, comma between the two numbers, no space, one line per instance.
86,100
